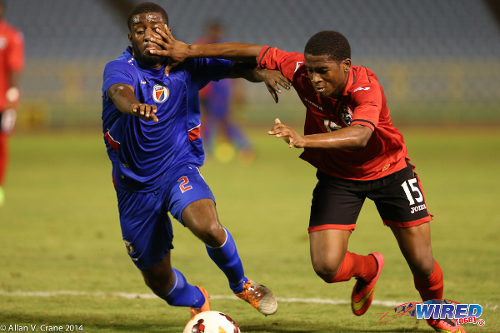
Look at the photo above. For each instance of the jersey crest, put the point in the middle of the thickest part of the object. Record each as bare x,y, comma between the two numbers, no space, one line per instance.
346,115
160,93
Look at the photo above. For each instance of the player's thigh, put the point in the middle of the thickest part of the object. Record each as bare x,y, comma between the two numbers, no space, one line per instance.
193,204
146,228
336,204
400,199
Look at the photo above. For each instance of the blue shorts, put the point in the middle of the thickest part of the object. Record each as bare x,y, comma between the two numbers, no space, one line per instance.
146,227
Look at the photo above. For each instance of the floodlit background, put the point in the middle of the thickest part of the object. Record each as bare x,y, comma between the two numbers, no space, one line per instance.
439,61
62,255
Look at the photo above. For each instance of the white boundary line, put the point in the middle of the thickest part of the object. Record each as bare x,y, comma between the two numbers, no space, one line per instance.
392,304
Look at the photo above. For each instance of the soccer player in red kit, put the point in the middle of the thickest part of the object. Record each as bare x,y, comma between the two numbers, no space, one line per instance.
359,154
11,65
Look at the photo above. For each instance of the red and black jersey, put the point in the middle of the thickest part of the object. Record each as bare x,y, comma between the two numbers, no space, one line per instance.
362,103
11,56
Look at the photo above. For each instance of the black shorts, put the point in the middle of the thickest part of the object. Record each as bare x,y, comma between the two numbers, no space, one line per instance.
399,199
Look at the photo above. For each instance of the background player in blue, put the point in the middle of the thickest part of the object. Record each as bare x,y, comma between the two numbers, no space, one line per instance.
151,126
220,100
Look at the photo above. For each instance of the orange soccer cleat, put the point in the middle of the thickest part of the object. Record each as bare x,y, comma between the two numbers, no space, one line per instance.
204,307
259,296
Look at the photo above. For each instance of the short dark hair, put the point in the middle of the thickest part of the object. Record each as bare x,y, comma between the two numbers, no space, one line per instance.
146,7
331,43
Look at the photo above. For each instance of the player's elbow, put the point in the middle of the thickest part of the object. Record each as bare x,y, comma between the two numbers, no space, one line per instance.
362,137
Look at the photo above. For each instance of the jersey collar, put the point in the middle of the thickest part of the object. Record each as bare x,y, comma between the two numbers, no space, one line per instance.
350,81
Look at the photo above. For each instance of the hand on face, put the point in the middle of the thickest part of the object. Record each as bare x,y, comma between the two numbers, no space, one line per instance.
175,50
143,38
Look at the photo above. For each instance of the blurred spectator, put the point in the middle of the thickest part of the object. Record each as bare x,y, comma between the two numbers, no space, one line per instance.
219,101
11,65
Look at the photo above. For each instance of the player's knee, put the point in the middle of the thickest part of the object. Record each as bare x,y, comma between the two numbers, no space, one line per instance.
213,235
422,266
158,281
326,270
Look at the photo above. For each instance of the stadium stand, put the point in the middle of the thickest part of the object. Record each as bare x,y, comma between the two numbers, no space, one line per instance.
438,58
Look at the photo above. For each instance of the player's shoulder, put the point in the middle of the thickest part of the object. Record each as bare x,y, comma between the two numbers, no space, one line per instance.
11,31
125,62
363,79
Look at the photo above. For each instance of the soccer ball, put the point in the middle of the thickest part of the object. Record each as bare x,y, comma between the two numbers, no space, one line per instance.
211,322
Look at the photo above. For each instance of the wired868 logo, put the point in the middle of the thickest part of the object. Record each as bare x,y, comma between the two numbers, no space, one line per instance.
437,309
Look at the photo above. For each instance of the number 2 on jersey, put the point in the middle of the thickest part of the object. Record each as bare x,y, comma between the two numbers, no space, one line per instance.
411,189
184,181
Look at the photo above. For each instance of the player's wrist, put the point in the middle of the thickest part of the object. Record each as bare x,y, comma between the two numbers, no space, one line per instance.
302,142
193,51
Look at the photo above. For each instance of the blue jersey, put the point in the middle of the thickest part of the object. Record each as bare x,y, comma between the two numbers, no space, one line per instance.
143,152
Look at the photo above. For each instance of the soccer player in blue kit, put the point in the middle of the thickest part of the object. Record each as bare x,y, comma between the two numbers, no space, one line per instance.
151,125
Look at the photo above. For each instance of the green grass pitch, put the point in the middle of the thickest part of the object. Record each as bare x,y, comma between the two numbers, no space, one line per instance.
64,262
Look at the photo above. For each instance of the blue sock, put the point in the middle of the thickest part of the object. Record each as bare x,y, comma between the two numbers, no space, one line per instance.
184,294
227,259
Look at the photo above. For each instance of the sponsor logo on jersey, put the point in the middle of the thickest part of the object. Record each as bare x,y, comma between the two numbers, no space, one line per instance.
361,88
160,93
297,65
316,105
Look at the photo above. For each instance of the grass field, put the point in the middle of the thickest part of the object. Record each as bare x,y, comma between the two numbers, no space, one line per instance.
63,259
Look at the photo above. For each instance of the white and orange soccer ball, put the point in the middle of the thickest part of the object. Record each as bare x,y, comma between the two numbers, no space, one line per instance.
211,322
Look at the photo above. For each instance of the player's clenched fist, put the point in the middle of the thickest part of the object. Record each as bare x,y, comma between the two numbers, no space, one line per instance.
144,111
287,133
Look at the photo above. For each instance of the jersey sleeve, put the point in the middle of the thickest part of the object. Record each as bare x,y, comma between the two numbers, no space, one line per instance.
15,57
367,102
286,62
117,72
205,70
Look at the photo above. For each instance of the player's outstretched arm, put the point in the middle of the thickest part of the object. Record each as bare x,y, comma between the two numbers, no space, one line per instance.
124,99
272,78
352,137
179,51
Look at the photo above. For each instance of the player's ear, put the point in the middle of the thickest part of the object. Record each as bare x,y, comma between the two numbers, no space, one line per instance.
130,38
346,64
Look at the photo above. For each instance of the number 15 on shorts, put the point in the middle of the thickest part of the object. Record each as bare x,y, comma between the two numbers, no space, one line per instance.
412,191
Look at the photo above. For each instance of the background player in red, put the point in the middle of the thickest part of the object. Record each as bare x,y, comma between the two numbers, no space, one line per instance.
11,65
219,101
350,139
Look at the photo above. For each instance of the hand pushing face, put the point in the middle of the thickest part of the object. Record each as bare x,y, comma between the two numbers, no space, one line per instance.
141,36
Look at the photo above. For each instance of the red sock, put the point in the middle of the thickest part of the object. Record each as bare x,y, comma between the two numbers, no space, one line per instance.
3,156
356,265
430,287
